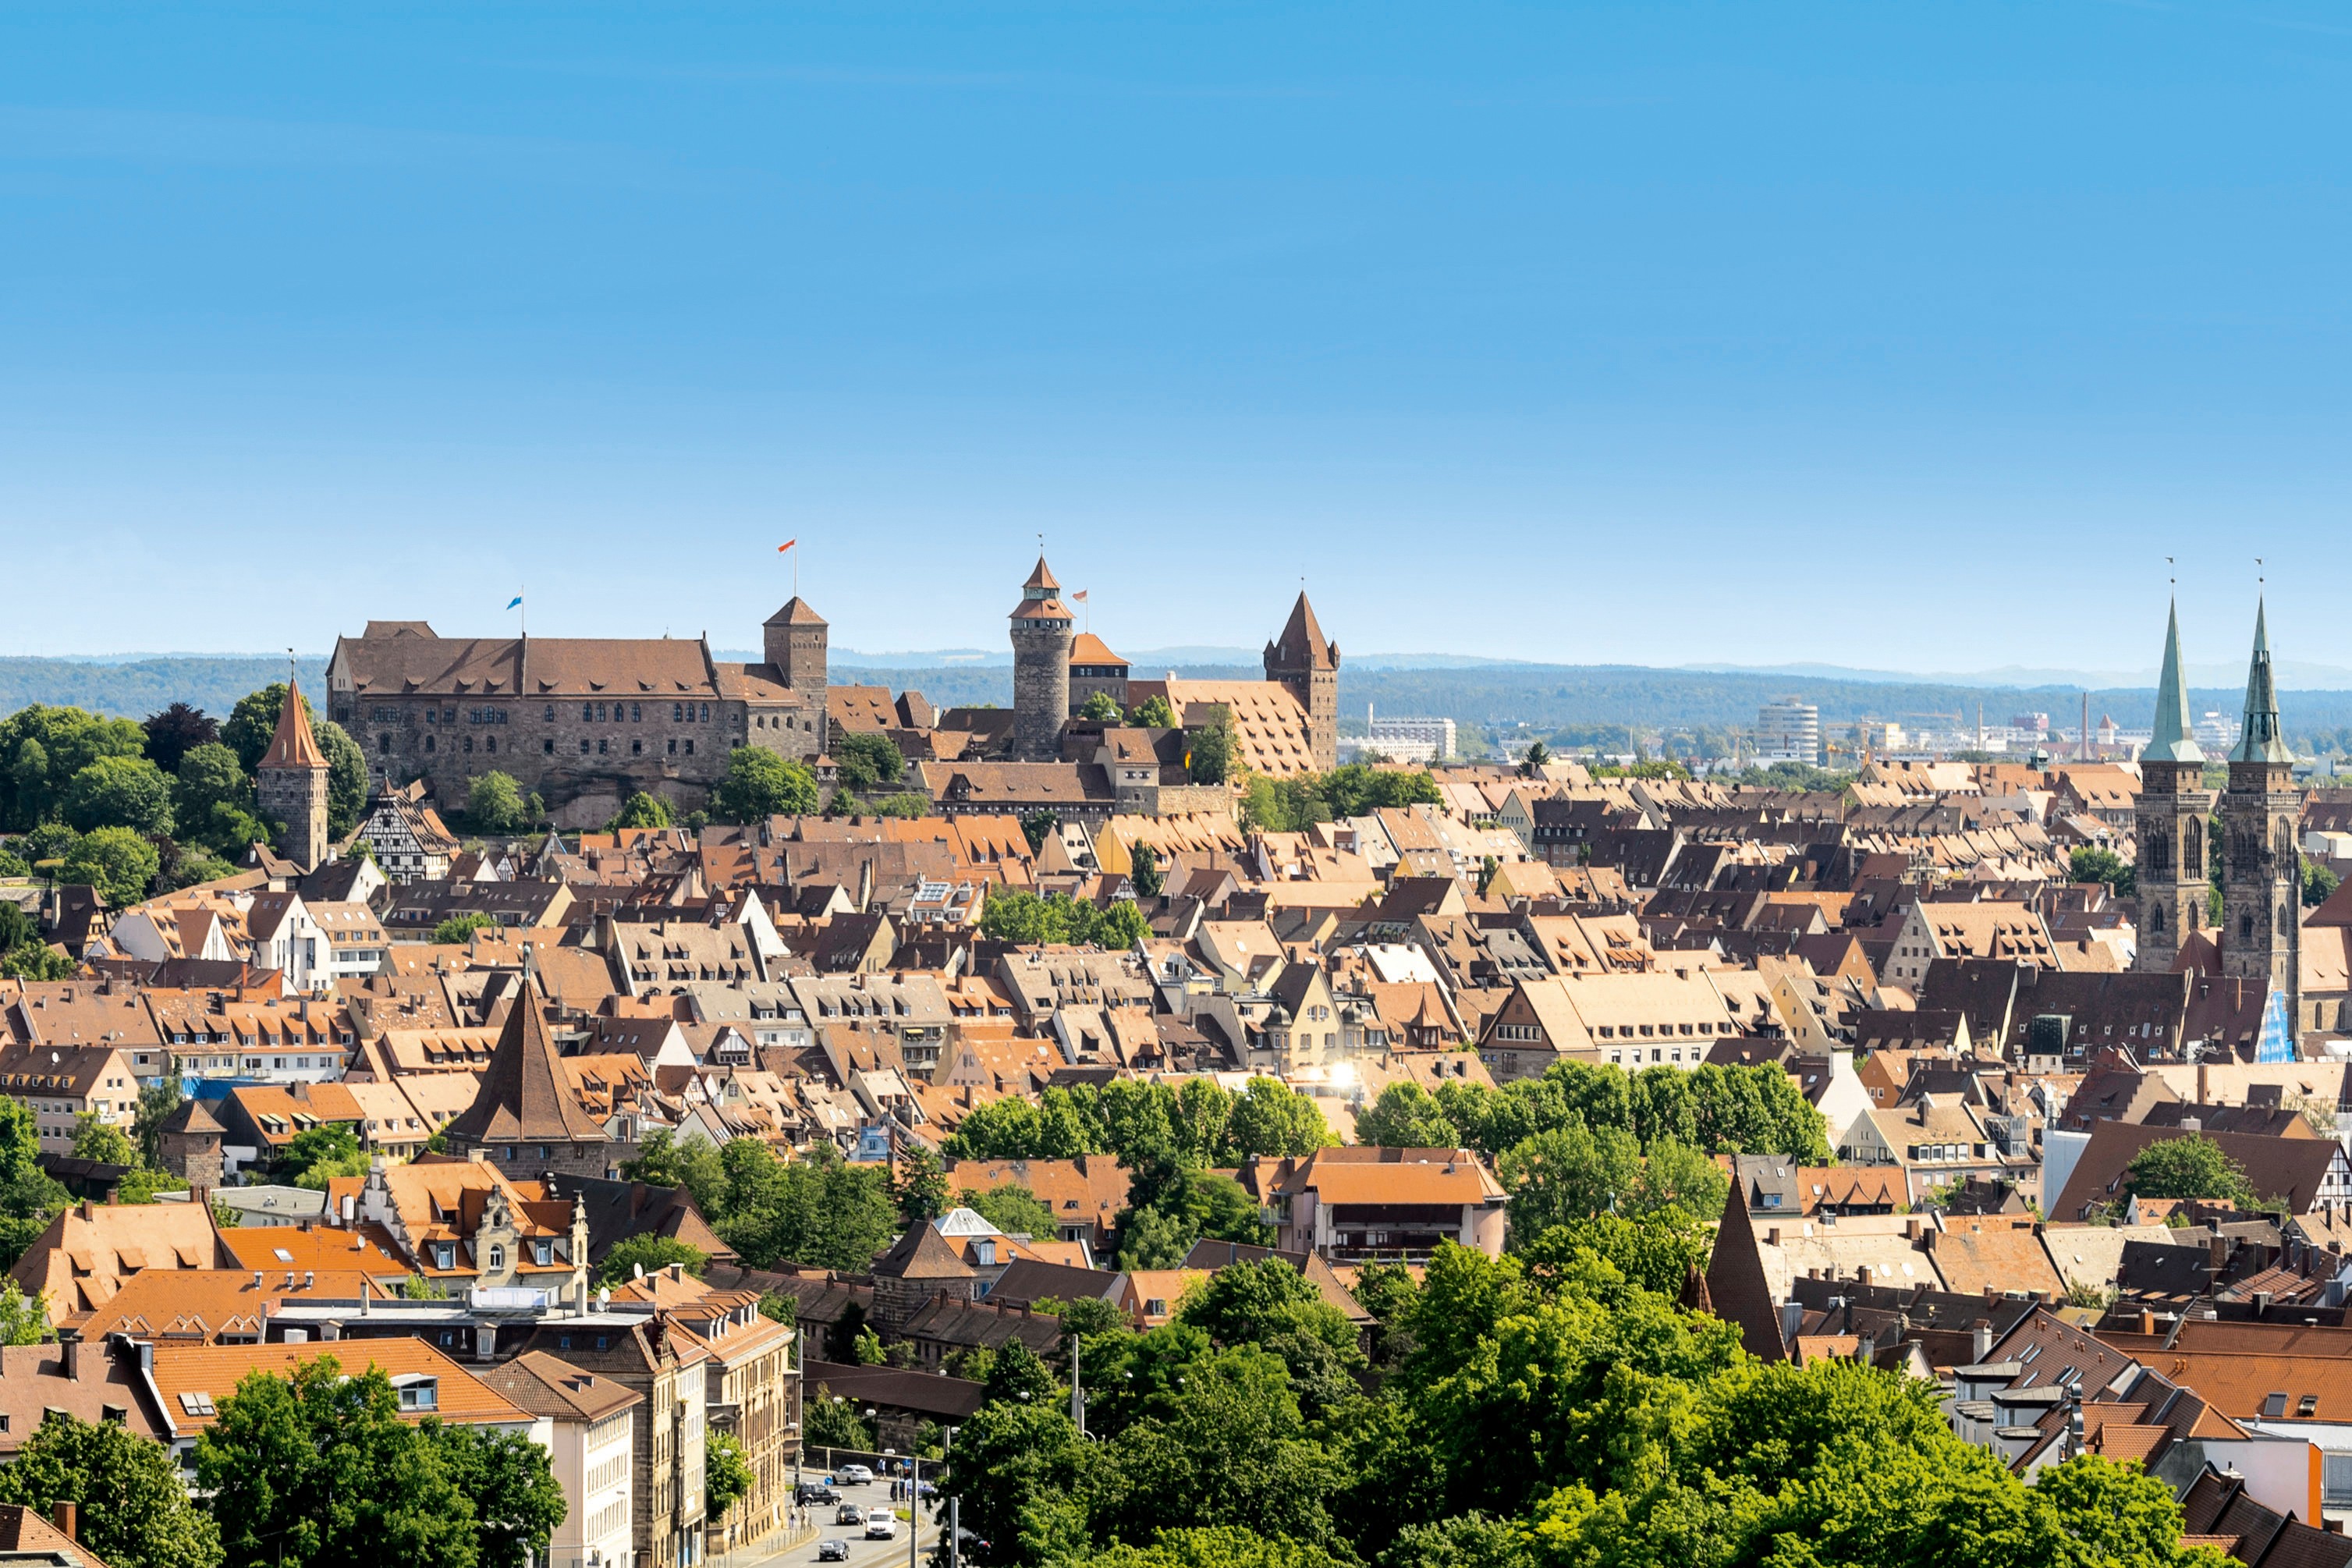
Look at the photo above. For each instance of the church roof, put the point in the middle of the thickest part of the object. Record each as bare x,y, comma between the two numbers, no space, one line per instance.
795,613
525,1096
2172,743
1302,642
293,746
2262,742
1042,578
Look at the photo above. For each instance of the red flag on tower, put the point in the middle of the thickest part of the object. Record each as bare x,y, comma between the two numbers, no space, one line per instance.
787,545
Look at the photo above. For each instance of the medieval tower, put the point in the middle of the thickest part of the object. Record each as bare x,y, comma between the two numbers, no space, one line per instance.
794,640
1041,668
290,782
2262,879
2173,806
1307,667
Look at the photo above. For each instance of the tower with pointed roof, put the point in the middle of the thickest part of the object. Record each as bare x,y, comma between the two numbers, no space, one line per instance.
1305,663
2262,875
291,784
2173,807
1041,668
527,1119
795,641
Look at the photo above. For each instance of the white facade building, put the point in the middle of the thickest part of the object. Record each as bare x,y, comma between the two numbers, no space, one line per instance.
1788,731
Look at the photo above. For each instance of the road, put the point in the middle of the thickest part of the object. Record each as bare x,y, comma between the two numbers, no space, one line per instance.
862,1553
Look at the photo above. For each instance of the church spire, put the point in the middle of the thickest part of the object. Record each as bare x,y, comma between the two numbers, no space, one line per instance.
2260,741
2172,740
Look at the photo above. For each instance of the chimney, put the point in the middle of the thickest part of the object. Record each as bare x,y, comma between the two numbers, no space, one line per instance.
67,1517
2147,1322
1981,1342
1911,1228
1866,1349
1773,1236
69,1353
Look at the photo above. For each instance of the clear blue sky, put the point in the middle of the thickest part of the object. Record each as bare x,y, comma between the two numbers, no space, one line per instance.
1902,336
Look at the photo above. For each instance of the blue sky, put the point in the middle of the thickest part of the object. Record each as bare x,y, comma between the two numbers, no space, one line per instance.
1906,337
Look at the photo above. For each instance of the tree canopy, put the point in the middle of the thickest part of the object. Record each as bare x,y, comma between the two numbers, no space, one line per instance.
2191,1167
134,1508
760,784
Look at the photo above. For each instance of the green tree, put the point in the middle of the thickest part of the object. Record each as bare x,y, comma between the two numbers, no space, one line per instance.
347,779
116,861
1656,1251
651,1253
1570,1172
2190,1167
23,1320
157,1101
2089,863
1537,757
28,1196
1036,826
2318,883
1210,759
102,1142
42,748
642,810
664,1160
831,1421
761,784
1270,1118
920,1191
1153,714
315,1154
120,791
1101,708
457,928
518,1503
1013,1209
864,761
134,1509
727,1474
906,805
1144,876
494,803
318,1468
173,733
1406,1116
212,801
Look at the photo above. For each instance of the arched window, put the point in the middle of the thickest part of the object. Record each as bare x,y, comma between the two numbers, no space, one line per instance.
2246,927
497,1257
2192,848
383,743
2156,919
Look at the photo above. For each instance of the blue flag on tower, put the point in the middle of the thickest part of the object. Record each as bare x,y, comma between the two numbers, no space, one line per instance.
513,602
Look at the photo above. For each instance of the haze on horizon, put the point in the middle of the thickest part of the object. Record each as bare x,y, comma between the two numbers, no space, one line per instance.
1862,336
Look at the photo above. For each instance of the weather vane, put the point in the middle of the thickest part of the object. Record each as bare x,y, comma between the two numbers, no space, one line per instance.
2259,580
2174,575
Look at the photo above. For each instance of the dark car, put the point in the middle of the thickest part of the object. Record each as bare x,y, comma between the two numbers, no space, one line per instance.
815,1491
833,1552
849,1513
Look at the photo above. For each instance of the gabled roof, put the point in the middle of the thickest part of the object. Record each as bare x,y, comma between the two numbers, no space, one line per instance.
293,746
923,1254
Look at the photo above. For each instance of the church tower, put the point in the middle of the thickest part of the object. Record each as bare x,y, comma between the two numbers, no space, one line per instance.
2262,880
1041,668
2173,807
290,782
1307,667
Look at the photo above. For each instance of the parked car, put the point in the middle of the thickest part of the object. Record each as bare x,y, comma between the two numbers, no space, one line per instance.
856,1475
833,1552
881,1525
849,1513
815,1491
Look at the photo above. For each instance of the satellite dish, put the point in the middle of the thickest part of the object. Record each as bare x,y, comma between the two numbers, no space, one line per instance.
637,1270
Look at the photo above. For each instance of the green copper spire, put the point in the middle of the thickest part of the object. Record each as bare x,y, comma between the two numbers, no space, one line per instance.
2172,742
2260,741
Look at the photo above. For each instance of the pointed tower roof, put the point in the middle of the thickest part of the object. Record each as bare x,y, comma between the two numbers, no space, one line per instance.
1042,578
2262,742
795,613
2172,742
293,746
1302,641
524,1096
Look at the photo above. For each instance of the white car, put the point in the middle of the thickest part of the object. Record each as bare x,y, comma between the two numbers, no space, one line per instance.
856,1475
881,1525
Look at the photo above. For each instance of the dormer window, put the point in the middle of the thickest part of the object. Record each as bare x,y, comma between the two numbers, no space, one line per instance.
418,1391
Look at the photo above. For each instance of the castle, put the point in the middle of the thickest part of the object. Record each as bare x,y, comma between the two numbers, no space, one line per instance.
586,721
1287,724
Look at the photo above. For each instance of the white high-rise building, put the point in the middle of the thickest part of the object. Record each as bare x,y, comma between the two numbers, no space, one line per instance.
1788,731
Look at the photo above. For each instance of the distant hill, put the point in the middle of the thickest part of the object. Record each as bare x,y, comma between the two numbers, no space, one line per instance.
135,688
